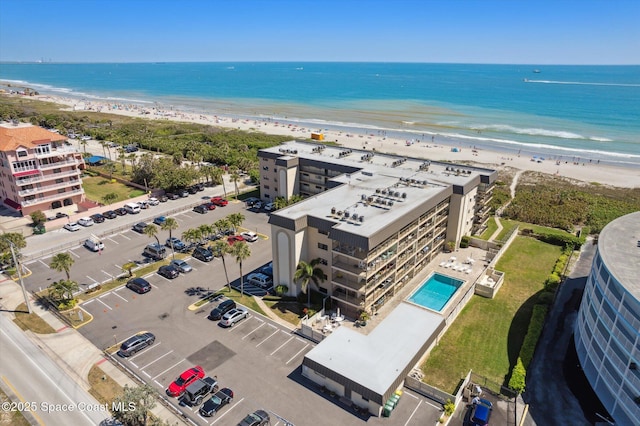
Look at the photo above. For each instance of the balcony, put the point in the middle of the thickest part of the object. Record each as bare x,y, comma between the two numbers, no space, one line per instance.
55,197
56,151
47,188
57,164
348,282
355,252
356,301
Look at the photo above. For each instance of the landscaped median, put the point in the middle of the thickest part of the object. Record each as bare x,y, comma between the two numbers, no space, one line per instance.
244,300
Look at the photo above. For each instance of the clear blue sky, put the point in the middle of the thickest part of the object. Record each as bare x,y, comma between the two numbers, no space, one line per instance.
472,31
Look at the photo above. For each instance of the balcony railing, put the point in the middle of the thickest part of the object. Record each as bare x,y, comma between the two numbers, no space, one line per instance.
352,300
52,197
61,150
67,162
47,188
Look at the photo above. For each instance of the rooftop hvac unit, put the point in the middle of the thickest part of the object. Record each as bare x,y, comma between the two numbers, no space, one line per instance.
390,203
363,197
354,217
396,194
333,210
346,215
379,200
377,190
361,218
404,195
384,192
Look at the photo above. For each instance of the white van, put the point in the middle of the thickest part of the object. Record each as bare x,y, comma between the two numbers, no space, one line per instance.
93,243
132,208
260,280
155,251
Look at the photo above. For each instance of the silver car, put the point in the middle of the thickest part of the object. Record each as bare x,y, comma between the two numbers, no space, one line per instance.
233,316
181,265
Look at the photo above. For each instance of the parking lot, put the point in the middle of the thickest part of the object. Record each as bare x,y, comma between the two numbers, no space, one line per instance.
257,358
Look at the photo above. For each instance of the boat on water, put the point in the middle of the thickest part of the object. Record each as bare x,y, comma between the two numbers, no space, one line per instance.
536,71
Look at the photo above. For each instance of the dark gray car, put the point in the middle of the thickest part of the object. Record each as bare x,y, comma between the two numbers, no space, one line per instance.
136,343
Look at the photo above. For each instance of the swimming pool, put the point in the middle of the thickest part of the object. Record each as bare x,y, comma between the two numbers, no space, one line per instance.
436,291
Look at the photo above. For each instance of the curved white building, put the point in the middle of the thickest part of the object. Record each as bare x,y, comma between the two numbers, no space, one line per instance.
607,330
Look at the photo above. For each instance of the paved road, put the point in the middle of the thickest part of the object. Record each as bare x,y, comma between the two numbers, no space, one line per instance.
40,386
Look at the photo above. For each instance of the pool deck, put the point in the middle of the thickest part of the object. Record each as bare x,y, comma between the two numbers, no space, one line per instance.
461,255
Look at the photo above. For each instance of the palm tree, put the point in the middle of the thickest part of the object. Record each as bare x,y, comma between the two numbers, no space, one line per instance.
62,262
307,272
222,225
109,198
205,231
236,219
240,251
235,178
64,289
169,225
192,235
151,231
221,248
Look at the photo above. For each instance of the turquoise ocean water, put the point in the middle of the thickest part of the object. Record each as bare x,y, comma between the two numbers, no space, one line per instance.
562,112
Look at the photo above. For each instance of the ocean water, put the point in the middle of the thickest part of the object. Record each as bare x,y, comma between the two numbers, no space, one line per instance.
562,112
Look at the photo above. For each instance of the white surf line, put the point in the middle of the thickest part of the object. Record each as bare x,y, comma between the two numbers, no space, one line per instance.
299,352
98,299
116,294
280,347
157,359
227,411
414,412
167,370
270,336
251,332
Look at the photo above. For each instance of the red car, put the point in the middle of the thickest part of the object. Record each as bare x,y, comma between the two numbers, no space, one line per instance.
234,239
210,206
178,386
219,201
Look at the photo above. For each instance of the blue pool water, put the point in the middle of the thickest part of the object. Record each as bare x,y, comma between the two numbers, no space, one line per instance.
435,292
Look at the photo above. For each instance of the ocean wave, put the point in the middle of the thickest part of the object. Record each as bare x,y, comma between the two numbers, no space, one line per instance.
529,131
583,83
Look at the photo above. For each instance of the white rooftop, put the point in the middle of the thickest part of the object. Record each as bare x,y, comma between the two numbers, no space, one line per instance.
619,247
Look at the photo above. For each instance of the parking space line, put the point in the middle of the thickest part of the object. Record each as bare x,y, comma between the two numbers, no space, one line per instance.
146,374
164,278
231,407
88,301
98,299
117,266
157,359
113,241
298,353
300,340
159,384
74,253
280,347
40,260
106,273
414,412
270,336
116,294
124,236
255,329
167,370
92,279
140,353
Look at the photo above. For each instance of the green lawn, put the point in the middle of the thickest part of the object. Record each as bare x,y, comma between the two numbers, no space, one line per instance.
97,187
488,334
507,227
491,228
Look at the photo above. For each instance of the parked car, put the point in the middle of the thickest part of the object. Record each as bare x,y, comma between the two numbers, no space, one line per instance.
181,265
257,418
270,207
202,209
153,201
136,343
155,251
110,214
194,393
199,186
192,190
183,193
224,307
213,405
97,218
139,227
480,413
143,204
178,245
203,254
178,386
249,236
234,239
260,280
121,211
267,269
251,201
210,205
72,226
85,221
172,196
219,201
163,198
94,244
168,271
60,215
233,316
159,220
139,285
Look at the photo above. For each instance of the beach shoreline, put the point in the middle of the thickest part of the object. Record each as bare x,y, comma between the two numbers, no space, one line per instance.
429,146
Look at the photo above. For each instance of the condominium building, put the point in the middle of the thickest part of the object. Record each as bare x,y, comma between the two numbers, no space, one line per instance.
373,220
39,169
607,330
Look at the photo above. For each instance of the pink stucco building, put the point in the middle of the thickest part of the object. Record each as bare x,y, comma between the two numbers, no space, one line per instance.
39,169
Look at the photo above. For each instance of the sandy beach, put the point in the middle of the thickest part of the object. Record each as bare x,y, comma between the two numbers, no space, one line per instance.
428,146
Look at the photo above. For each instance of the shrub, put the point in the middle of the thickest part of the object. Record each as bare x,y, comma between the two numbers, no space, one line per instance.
464,241
518,375
449,407
545,298
552,282
281,289
67,304
536,324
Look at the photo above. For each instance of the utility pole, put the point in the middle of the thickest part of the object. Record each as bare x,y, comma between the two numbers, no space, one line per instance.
19,269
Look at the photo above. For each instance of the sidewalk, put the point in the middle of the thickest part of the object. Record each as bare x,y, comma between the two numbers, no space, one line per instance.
268,312
71,350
